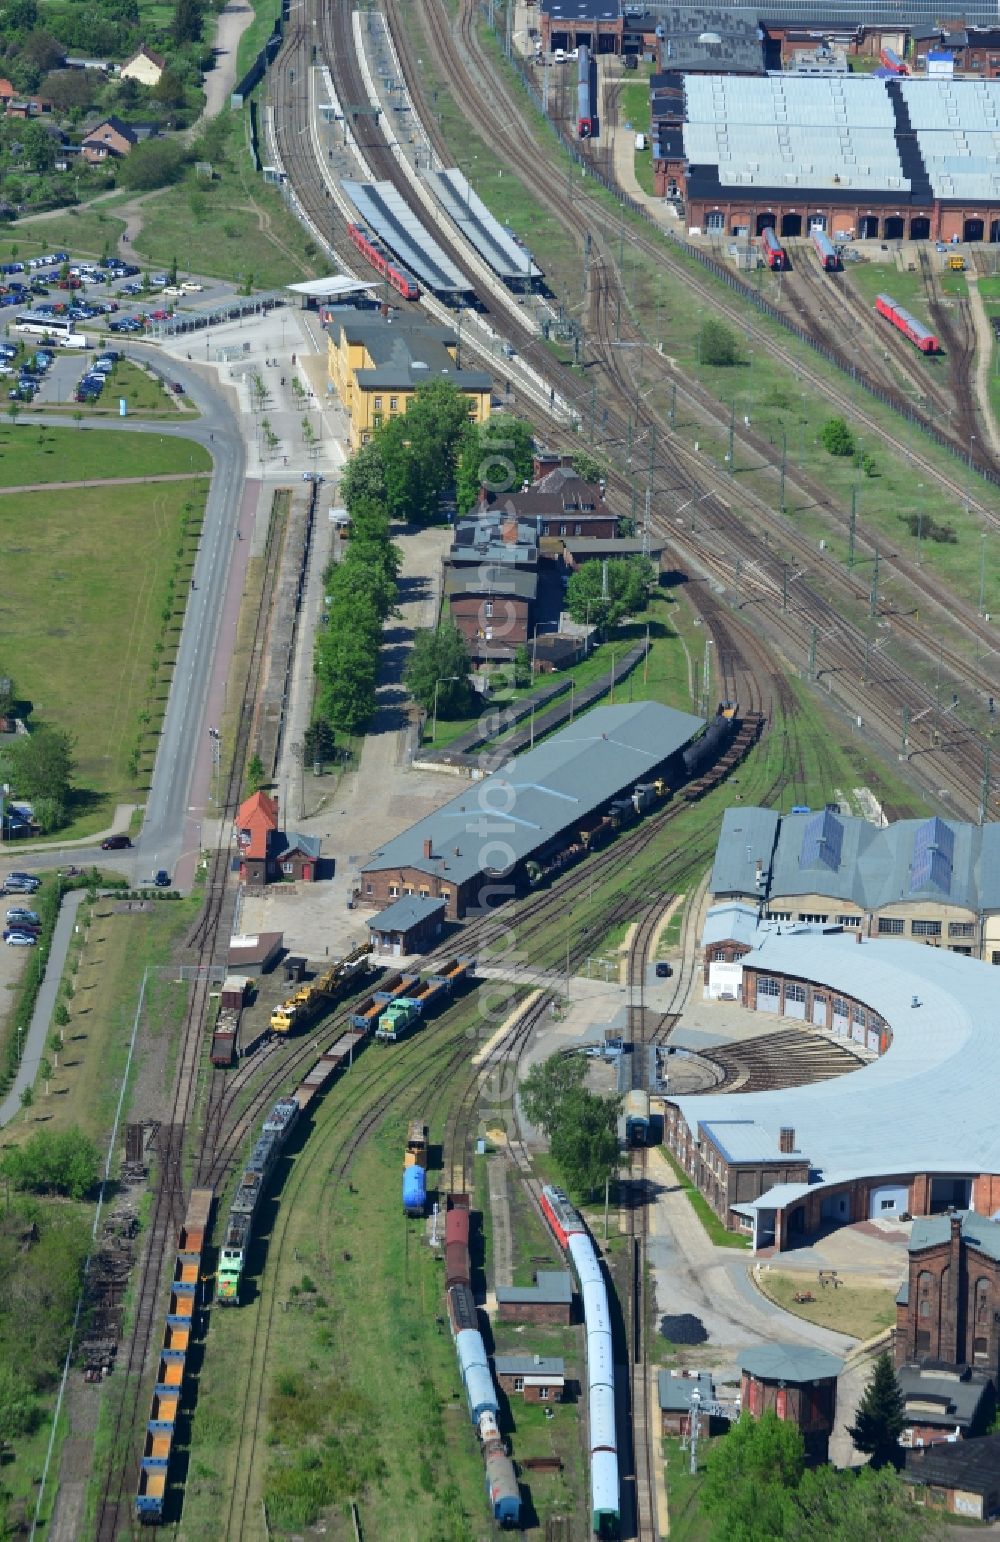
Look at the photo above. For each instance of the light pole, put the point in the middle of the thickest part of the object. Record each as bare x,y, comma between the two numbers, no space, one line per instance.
216,738
982,572
444,680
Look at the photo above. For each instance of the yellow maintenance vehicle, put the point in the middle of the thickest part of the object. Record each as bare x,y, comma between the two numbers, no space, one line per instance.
314,995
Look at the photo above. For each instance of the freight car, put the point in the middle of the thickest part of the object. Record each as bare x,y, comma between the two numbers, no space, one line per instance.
252,1186
225,1037
825,251
477,1380
157,1452
907,324
585,94
403,1012
774,252
382,260
414,1190
568,1227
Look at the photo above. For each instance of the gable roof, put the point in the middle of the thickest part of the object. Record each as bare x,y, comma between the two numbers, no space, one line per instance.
142,52
308,845
405,913
551,1287
530,1365
117,125
932,1230
259,815
966,1464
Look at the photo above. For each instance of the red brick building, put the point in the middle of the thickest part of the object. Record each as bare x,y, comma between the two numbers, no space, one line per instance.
549,1300
962,1478
949,1307
266,853
798,1385
531,1377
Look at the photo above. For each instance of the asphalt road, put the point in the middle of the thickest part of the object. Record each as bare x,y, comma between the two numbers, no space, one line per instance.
160,842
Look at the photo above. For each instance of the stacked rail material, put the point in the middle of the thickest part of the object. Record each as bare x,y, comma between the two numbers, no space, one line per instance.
252,1186
382,260
403,1012
371,1009
316,995
569,1229
909,325
501,1481
825,251
585,94
774,252
158,1445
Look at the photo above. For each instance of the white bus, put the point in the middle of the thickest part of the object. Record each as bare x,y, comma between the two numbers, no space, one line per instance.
32,324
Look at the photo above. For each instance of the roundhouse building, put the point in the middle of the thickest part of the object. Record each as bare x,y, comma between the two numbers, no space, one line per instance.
472,851
935,881
914,1130
850,155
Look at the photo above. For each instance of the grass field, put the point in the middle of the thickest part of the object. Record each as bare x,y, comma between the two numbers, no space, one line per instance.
88,232
634,115
862,1310
687,1524
84,581
29,455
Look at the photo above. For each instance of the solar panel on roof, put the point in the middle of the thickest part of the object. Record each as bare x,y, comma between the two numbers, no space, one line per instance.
933,856
822,841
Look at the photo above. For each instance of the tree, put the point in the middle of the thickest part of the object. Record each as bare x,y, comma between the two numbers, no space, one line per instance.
53,1162
439,664
69,89
836,438
169,90
717,345
846,1506
588,468
255,774
419,450
363,478
41,764
18,1413
750,1477
605,603
584,1139
49,813
522,667
496,455
347,666
547,1084
319,741
188,22
154,163
880,1417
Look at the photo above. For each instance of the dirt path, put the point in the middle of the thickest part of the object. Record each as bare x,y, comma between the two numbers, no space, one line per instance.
219,82
58,487
984,360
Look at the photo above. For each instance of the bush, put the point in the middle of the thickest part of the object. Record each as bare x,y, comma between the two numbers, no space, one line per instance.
154,163
53,1162
836,437
717,345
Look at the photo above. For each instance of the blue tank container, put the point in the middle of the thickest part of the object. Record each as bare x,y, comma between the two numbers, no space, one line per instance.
414,1190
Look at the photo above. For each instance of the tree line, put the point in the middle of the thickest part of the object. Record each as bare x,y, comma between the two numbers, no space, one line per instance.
38,767
360,598
582,1128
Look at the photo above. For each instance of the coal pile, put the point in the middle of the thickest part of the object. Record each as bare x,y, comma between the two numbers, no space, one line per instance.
685,1328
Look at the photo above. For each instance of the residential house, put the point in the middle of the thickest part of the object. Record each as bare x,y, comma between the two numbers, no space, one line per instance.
144,66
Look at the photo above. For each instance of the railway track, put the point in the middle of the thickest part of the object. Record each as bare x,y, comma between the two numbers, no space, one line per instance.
958,333
114,1506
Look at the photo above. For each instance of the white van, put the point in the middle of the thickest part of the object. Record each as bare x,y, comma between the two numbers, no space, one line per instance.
640,142
559,57
73,340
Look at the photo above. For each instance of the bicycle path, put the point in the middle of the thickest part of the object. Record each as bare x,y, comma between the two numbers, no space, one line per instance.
33,1048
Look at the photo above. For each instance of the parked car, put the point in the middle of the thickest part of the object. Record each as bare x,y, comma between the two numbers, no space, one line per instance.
174,290
160,315
664,971
18,939
177,388
116,843
17,914
189,288
162,879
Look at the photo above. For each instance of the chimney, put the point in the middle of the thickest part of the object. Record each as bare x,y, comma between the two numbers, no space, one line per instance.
428,849
786,1139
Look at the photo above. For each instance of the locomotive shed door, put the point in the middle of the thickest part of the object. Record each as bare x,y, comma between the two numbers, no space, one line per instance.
817,222
819,1011
795,1001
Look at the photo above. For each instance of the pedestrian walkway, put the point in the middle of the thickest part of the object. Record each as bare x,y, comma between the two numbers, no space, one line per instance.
118,826
984,360
33,1048
59,487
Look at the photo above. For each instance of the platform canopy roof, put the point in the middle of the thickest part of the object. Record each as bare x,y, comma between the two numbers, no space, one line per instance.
333,288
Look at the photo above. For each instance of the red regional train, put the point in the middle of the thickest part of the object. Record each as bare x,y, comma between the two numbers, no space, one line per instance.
383,262
907,324
774,252
825,251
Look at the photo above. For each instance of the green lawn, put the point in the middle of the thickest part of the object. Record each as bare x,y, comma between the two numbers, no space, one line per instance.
687,1523
861,1310
84,585
87,232
29,455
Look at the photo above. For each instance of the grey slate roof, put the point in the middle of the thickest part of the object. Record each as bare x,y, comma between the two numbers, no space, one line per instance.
730,923
309,845
972,1465
957,1394
743,1140
404,913
530,1365
927,1105
551,1287
405,354
789,1362
848,859
931,1230
747,836
540,793
675,1391
485,578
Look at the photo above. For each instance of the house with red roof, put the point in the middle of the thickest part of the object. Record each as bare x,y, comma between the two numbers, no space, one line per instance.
268,854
